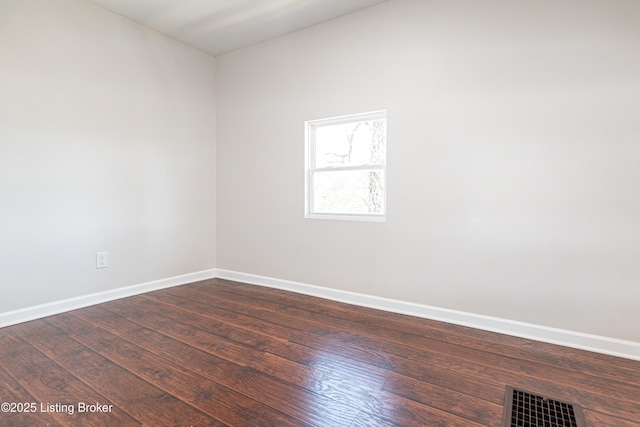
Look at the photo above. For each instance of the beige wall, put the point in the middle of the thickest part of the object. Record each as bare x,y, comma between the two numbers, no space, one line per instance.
107,142
513,178
514,189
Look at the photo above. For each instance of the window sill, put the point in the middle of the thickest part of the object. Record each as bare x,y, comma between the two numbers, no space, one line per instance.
348,217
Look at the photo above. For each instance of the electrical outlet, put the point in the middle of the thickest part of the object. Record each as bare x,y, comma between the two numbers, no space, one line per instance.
102,259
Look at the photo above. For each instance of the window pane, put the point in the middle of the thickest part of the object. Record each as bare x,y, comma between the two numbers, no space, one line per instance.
350,144
349,192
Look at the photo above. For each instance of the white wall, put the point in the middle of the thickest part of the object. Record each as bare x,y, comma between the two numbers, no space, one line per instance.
513,178
107,142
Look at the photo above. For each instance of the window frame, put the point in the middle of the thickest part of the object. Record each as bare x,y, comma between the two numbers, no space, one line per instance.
311,170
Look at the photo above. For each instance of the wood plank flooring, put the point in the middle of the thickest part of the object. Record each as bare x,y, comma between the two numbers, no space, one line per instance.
217,353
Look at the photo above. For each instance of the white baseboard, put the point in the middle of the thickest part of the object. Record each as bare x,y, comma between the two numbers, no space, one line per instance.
579,340
44,310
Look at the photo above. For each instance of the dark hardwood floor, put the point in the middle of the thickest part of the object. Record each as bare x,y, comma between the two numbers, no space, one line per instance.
217,353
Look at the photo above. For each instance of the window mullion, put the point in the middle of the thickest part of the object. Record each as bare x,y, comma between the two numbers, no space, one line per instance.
338,189
349,168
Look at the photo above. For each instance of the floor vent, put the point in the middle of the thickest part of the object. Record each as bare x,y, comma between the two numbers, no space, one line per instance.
523,409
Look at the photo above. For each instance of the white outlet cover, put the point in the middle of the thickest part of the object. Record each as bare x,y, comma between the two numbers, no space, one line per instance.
102,259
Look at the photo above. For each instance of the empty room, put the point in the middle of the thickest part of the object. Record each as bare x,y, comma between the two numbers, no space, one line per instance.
346,213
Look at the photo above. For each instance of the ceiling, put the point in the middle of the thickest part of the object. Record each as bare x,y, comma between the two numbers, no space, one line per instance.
221,26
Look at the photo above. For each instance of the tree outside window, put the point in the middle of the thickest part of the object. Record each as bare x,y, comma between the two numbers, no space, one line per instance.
346,165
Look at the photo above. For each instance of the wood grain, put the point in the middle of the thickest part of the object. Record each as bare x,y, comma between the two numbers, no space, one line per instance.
217,353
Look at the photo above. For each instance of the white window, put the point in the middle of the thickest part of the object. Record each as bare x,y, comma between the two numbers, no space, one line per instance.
346,167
